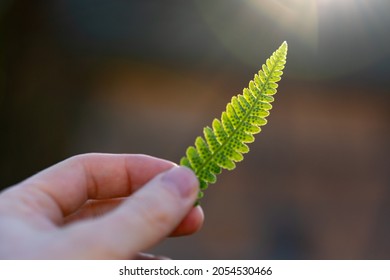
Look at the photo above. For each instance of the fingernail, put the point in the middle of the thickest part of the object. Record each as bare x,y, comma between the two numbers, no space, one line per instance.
182,179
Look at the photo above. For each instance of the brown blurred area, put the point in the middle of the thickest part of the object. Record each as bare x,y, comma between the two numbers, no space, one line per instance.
143,77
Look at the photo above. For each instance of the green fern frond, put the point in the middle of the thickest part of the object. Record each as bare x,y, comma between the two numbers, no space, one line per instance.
225,142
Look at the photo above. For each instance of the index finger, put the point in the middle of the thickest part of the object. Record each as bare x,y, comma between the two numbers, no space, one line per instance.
61,189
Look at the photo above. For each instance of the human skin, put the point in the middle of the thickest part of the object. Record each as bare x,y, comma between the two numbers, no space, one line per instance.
98,206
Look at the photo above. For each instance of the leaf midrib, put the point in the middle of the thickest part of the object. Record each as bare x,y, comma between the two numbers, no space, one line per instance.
207,161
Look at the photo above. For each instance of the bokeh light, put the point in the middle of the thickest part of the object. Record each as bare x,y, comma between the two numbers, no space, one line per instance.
333,38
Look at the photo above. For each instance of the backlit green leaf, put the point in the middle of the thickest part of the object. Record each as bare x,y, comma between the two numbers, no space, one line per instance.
225,143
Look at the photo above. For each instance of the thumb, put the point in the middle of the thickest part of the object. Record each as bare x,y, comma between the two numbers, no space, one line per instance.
144,219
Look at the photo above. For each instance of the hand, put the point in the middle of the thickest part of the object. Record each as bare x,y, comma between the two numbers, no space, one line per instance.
79,209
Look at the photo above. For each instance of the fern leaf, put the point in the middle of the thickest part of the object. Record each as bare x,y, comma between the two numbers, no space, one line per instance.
225,142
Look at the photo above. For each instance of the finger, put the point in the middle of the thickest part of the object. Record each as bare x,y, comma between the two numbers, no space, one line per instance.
191,223
61,189
93,209
145,256
146,217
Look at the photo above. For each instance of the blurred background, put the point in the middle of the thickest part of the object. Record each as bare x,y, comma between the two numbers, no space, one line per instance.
125,76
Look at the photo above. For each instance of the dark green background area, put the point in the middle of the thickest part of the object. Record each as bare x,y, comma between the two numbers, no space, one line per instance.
81,76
